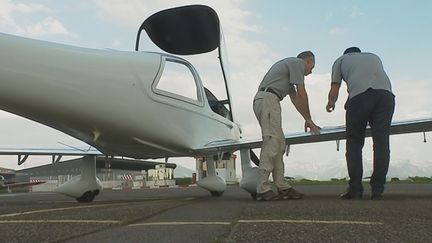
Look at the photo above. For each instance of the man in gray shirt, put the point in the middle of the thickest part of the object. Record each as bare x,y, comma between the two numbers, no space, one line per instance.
370,101
286,77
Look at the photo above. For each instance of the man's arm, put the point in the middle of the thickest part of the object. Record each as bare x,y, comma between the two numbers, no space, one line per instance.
336,80
301,103
333,96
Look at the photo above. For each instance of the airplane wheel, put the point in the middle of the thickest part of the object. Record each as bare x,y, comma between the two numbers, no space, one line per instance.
88,196
96,192
254,195
216,194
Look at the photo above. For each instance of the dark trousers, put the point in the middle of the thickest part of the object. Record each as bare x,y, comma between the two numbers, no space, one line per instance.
375,107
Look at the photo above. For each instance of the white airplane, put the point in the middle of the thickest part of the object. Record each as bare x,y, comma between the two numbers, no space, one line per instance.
134,104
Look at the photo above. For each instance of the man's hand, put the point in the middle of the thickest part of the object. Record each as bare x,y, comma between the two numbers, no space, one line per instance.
333,96
330,107
312,126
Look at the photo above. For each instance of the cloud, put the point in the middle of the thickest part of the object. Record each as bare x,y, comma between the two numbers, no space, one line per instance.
329,15
355,12
47,26
134,12
28,8
336,31
19,132
7,8
122,13
405,90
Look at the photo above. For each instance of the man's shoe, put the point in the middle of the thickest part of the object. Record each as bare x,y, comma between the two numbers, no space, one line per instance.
376,196
290,193
351,195
267,196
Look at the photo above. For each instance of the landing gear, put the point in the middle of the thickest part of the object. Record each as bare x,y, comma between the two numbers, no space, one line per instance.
254,195
214,184
84,187
88,196
216,194
250,175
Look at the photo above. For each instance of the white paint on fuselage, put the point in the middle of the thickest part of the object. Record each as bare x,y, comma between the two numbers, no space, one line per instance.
80,91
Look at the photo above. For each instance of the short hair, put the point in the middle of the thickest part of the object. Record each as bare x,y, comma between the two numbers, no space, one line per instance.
352,50
305,54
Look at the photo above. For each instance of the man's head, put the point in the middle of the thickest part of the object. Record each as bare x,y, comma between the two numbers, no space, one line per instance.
352,50
309,60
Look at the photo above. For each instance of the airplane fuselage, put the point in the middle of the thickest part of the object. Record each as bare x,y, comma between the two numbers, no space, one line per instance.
106,98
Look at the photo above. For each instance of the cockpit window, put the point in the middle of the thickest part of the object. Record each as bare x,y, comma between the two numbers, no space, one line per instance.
217,106
177,81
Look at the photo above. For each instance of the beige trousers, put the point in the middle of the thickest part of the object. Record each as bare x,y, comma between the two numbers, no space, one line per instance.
268,112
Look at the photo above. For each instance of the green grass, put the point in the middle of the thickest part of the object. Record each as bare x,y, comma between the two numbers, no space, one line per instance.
183,181
15,189
343,181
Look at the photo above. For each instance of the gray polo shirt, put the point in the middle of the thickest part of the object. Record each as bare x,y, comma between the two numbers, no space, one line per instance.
360,71
283,75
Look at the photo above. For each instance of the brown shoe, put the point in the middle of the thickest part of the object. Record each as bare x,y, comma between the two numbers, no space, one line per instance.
290,193
351,195
376,196
267,196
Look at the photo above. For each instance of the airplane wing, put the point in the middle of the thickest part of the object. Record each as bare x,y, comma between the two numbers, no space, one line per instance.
327,134
20,184
48,151
57,153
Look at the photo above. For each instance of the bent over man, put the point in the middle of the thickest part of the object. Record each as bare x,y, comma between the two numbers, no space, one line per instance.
370,101
286,77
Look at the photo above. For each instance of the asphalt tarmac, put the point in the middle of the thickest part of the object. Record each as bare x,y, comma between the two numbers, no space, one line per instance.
192,215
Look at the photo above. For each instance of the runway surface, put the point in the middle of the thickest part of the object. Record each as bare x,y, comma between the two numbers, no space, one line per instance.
192,215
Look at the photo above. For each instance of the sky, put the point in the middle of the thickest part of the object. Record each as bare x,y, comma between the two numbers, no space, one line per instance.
258,33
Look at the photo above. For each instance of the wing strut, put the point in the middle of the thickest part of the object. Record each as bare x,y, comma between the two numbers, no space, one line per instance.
254,158
287,150
23,159
56,158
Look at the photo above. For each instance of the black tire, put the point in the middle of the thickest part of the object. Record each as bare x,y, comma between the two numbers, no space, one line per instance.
96,192
88,196
254,195
216,194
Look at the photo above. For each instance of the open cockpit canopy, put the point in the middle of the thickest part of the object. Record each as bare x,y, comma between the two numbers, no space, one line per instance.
186,30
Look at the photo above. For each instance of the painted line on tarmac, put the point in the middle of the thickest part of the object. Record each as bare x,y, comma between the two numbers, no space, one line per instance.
83,207
66,208
61,221
9,195
301,221
14,194
258,221
57,209
180,223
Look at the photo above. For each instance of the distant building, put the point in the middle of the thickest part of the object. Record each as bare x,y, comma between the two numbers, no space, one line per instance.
113,173
160,176
6,171
226,168
10,175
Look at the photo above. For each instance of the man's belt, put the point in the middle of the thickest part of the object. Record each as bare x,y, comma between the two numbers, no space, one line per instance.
268,89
